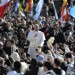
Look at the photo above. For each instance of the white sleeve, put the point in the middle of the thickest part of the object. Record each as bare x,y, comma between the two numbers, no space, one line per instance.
67,49
42,39
63,72
30,36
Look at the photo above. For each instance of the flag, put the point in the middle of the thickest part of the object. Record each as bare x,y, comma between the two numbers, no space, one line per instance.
38,9
20,5
64,3
29,5
16,7
64,11
3,6
72,11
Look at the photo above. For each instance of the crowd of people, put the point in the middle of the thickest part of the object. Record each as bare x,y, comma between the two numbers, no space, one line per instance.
42,47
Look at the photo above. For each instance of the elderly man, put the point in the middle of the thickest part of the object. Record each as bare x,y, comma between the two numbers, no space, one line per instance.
36,39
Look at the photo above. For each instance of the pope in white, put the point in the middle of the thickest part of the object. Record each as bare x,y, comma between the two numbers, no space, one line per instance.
36,39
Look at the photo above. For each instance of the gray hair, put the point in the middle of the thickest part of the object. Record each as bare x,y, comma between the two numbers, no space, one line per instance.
36,25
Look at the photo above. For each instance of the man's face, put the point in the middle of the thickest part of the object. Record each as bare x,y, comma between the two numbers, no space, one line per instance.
21,50
9,44
44,68
74,53
36,28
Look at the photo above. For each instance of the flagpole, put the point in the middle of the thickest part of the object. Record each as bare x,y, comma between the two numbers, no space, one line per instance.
31,11
56,15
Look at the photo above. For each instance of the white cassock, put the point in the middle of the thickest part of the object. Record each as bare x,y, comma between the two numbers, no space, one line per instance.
35,42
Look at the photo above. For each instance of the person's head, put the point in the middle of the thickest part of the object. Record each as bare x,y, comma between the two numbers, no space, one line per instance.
5,34
3,39
47,66
22,35
30,27
14,37
10,42
21,30
71,27
8,25
50,59
17,65
36,27
1,61
40,58
38,51
1,44
74,51
56,29
57,63
44,24
21,49
40,64
33,63
68,57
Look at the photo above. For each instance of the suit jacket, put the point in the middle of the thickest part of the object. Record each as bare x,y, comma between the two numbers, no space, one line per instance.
59,38
50,72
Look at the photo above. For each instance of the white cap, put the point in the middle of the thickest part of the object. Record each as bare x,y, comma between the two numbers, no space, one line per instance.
15,56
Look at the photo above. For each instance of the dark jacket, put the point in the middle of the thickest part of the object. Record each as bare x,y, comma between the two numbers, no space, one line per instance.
3,71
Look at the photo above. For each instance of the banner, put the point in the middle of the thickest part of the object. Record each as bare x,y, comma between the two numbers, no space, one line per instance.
3,6
38,9
29,5
72,11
